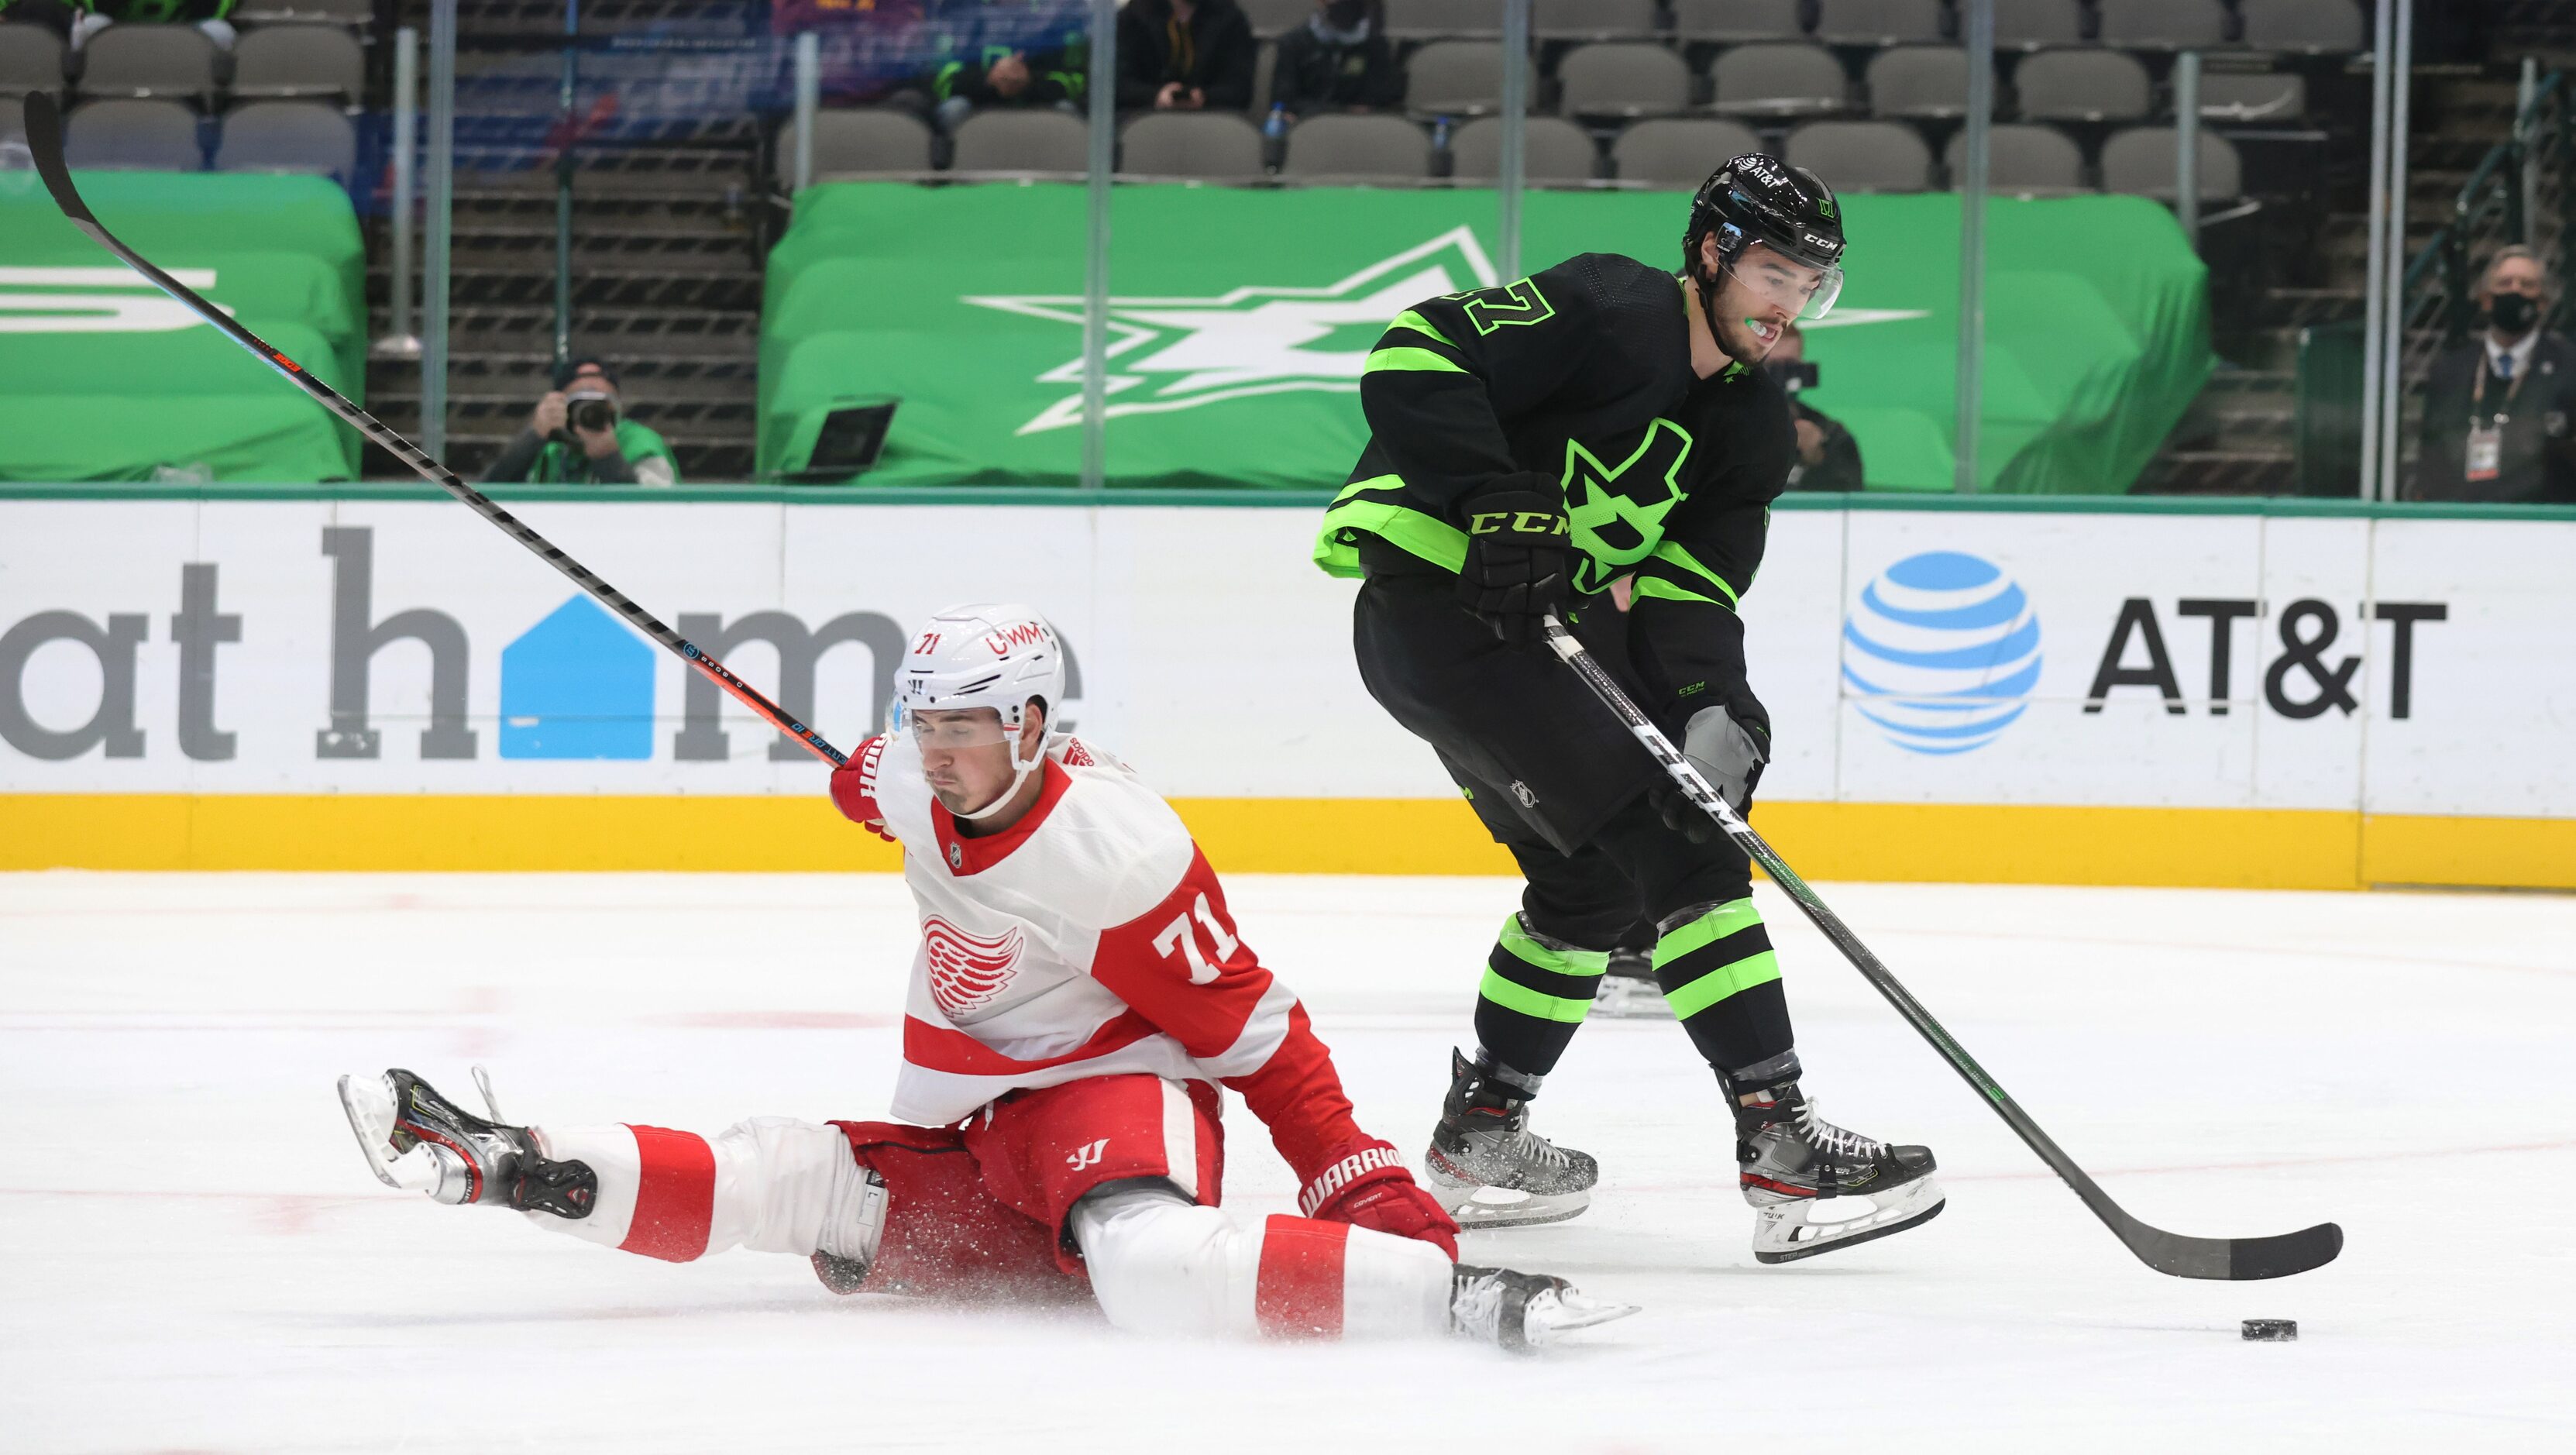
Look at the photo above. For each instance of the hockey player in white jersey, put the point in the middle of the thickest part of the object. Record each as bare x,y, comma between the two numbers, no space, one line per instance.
1079,994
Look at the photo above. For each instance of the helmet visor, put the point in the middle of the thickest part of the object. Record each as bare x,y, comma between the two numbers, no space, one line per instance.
1779,281
949,730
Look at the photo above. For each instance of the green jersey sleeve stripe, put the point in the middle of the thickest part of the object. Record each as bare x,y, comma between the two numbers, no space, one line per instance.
1412,318
1662,590
1416,360
1337,544
1674,554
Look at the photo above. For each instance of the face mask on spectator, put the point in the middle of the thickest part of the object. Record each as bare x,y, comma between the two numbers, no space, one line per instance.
2513,313
1344,21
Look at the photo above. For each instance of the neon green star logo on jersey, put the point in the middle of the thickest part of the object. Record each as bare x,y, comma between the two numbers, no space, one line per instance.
1617,511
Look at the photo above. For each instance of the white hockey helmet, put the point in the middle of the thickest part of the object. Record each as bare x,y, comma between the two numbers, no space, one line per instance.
985,654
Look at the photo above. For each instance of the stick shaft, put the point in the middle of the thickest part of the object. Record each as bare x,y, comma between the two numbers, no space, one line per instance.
1812,904
44,141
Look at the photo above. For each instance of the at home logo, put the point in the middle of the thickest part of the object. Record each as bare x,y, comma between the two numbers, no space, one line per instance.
577,684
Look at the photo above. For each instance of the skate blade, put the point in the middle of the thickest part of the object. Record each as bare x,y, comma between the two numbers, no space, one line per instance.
371,1120
1475,1208
1911,1212
1567,1313
1625,1003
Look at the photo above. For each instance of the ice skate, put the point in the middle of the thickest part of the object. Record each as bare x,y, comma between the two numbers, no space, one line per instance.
1796,1165
1628,990
417,1139
1489,1169
1519,1311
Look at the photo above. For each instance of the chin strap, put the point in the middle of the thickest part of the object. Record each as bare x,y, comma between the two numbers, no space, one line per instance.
1019,776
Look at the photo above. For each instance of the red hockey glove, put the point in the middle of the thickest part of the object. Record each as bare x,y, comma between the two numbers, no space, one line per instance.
1367,1187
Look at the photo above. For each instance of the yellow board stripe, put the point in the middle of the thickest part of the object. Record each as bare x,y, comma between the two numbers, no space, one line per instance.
2237,848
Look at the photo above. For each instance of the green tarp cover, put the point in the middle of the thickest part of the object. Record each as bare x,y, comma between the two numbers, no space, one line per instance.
1239,320
103,378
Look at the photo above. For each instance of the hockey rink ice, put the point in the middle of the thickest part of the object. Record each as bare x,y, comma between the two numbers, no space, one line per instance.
194,1257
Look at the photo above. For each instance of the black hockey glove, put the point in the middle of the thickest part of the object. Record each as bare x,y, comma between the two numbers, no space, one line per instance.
1730,755
1519,561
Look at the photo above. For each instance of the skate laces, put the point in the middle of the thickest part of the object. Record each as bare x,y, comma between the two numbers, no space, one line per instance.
1837,1140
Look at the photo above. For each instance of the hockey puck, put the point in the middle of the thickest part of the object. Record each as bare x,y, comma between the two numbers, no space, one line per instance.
2272,1331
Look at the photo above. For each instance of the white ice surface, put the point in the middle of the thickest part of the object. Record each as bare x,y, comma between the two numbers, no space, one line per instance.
193,1256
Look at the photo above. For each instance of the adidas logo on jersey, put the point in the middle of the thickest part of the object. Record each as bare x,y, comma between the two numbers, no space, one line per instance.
967,971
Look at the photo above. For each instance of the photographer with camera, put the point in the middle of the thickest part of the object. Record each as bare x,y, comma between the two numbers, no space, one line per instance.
579,435
1828,456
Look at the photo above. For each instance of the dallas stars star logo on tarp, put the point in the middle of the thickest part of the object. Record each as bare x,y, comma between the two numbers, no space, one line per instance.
1168,354
1173,353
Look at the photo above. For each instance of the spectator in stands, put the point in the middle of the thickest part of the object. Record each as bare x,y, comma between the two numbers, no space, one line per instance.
1828,456
2497,411
1014,78
206,15
1185,55
1339,60
580,435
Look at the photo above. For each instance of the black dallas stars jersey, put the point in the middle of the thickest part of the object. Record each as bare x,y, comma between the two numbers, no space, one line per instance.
1580,374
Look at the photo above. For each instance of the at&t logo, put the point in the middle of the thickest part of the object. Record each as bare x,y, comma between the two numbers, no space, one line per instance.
1941,652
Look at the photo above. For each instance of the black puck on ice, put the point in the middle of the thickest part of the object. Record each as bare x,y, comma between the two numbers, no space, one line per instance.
2272,1331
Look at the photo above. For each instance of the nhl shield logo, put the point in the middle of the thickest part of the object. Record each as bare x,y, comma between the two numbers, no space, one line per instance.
967,971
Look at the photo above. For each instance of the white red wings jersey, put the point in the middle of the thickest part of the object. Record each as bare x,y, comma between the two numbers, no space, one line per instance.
1088,939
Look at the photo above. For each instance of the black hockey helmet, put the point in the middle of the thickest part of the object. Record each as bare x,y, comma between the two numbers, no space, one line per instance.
1758,198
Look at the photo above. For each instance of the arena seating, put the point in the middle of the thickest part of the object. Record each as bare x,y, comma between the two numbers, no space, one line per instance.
155,97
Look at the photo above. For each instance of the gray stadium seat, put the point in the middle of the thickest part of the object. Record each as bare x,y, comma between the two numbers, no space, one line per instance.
2140,161
2311,27
2162,24
1357,148
1622,78
1593,19
2026,161
135,135
2082,85
1418,19
2257,99
1862,156
1919,80
299,61
1455,78
1780,80
1877,22
148,60
31,59
1020,142
1558,151
13,121
356,14
1679,153
287,136
862,141
2029,24
1271,18
1218,145
1736,21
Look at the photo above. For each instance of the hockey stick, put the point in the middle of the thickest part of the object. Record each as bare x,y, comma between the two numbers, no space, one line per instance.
45,140
2222,1258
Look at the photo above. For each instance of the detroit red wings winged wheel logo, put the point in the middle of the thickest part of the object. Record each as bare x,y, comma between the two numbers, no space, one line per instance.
966,972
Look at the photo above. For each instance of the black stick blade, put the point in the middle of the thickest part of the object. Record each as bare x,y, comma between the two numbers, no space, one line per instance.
45,144
2279,1257
2233,1260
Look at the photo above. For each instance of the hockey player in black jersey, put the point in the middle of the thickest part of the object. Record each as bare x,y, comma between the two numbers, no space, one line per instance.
1530,445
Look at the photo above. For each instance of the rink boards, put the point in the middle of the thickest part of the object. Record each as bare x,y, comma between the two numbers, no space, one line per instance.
2274,695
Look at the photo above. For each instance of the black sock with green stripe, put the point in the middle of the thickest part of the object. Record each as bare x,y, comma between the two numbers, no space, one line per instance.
1718,973
1536,991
